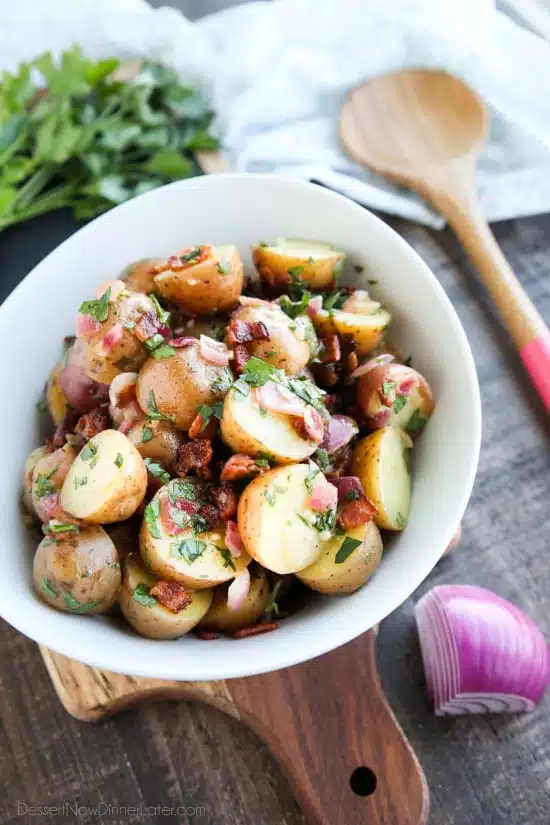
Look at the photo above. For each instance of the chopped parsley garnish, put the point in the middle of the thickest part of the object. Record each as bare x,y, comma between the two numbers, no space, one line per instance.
308,392
182,488
189,549
56,527
335,299
294,308
163,352
241,387
163,315
89,453
223,267
337,271
151,514
154,341
80,482
372,282
400,521
41,405
206,411
142,595
408,361
48,589
227,557
325,521
272,608
352,495
312,473
399,403
157,470
98,309
311,260
256,372
265,457
44,486
295,271
323,460
270,497
129,324
359,269
263,245
146,434
415,423
153,411
222,382
346,549
75,606
262,462
192,255
119,460
407,457
387,387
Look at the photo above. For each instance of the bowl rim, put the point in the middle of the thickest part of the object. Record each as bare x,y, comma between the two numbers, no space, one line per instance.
318,644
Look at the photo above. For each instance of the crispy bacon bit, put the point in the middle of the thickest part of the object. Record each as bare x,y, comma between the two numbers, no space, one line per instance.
239,466
323,496
147,326
278,399
86,326
196,455
241,357
331,351
172,595
254,630
244,332
234,541
197,430
205,634
111,338
65,426
225,498
209,514
92,423
326,375
355,513
215,352
314,424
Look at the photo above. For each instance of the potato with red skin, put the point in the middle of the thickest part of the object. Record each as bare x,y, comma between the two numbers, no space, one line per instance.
140,275
288,346
47,480
57,403
176,386
316,264
26,483
211,283
157,440
395,395
80,391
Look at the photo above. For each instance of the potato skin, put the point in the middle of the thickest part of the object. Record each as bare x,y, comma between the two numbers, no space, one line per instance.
180,383
56,465
156,621
418,401
366,330
207,287
26,482
273,267
287,348
79,573
56,401
326,576
221,617
140,275
162,446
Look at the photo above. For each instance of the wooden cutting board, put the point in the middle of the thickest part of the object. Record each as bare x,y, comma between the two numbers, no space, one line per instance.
327,722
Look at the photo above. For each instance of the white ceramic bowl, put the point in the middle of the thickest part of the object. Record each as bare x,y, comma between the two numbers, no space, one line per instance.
240,209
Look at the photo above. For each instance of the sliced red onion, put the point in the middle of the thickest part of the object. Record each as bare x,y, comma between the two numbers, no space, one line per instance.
182,341
111,338
215,352
314,305
323,496
238,590
339,431
369,365
314,424
86,326
278,399
348,487
481,653
233,539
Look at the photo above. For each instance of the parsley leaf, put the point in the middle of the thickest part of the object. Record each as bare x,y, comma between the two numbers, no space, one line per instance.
89,453
323,460
151,515
294,308
119,460
142,595
325,521
399,403
98,309
78,607
270,497
153,411
206,411
146,434
48,588
415,422
157,470
223,267
188,550
41,405
388,386
352,495
256,372
346,549
163,315
335,299
401,521
163,352
312,473
227,557
43,485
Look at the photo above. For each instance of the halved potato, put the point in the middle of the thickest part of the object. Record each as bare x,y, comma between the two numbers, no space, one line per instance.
78,572
195,559
222,617
56,401
365,330
209,283
174,387
316,264
107,481
157,440
275,523
288,347
247,428
48,476
380,461
140,275
146,614
346,561
26,482
395,395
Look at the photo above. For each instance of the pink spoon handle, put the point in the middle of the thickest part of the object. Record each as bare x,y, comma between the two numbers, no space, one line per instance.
536,358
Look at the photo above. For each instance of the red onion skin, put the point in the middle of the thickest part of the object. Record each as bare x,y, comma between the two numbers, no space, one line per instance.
348,484
339,431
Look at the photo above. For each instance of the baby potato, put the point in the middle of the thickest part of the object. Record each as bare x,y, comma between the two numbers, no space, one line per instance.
56,401
139,276
316,264
196,560
247,428
107,481
288,347
366,330
174,387
221,617
146,614
380,461
346,562
274,520
26,482
202,280
395,395
157,440
48,476
78,572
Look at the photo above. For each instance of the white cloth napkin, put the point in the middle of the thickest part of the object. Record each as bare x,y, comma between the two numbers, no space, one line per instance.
279,71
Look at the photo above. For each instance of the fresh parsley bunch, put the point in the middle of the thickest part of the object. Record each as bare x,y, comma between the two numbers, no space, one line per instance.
76,134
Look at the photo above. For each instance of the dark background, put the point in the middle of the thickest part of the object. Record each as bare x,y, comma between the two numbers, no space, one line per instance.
482,771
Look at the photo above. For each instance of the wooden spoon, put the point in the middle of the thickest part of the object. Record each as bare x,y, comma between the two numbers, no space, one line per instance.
426,129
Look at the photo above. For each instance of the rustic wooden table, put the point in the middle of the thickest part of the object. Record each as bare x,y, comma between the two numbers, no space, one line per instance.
481,771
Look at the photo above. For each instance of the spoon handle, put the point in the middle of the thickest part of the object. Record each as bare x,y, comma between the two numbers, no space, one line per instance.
460,206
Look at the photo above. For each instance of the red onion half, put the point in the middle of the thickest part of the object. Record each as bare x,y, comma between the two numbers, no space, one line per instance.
339,431
481,653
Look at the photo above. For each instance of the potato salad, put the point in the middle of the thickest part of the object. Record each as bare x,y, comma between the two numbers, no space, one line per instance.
221,445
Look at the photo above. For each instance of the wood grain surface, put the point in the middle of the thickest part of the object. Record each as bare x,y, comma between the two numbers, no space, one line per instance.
481,771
